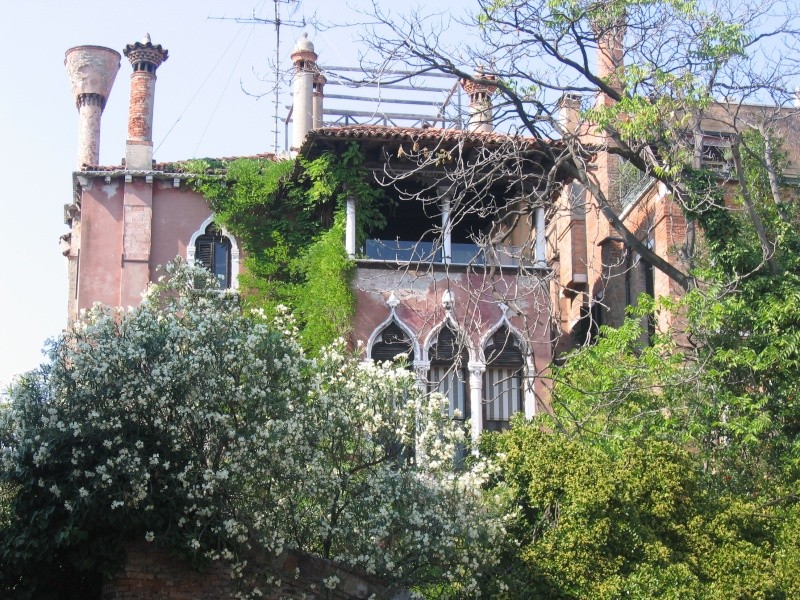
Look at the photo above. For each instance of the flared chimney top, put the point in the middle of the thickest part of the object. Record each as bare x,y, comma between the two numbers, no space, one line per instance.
144,55
145,58
91,70
480,100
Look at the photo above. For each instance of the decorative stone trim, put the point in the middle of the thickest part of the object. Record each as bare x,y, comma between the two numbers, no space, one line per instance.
191,249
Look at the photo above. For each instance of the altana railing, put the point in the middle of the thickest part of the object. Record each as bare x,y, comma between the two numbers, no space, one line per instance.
632,182
460,253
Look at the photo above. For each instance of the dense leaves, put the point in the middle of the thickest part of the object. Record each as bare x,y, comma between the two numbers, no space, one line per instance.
191,425
289,217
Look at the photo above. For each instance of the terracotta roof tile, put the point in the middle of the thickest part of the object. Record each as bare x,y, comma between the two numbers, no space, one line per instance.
401,134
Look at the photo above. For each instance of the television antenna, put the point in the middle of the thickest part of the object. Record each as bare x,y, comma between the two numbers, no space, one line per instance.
277,21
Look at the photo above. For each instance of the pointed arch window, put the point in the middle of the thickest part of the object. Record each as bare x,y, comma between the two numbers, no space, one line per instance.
213,251
448,371
502,380
391,342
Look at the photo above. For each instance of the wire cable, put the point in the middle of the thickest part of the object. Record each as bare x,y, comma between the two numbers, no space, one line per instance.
224,89
197,92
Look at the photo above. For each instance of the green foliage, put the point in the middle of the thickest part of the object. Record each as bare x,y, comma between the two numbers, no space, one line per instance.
632,502
327,302
288,217
190,424
607,390
598,524
669,467
333,177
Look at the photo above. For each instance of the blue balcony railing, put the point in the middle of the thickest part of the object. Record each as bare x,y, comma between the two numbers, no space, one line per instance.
460,253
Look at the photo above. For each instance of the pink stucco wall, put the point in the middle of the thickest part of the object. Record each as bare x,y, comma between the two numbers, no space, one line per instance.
177,214
476,307
127,231
100,255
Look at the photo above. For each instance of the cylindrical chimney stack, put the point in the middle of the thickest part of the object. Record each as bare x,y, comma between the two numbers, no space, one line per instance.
610,38
318,92
145,58
92,70
569,112
480,101
304,60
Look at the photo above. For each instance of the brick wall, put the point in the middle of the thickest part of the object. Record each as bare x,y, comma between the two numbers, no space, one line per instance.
140,115
152,573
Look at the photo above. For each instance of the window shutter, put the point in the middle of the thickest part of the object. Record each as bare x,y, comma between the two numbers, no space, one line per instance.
502,381
449,359
213,251
204,251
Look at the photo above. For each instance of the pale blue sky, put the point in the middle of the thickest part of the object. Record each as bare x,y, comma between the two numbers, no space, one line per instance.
38,120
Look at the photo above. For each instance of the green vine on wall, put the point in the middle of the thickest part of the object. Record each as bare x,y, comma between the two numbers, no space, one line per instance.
289,219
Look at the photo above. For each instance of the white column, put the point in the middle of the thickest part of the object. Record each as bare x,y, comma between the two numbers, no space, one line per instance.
476,398
540,248
421,368
480,114
447,230
302,106
529,392
350,227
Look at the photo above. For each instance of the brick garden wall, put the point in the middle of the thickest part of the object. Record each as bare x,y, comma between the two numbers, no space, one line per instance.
151,573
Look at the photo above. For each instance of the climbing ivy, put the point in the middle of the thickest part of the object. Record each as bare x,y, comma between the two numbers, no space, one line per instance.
289,218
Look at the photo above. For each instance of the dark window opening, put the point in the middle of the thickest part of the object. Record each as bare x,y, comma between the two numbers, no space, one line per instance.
502,381
448,374
470,231
414,229
588,326
213,251
715,149
412,232
390,343
650,290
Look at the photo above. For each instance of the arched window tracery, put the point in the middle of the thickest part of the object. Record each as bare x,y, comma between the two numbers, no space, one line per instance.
502,380
448,371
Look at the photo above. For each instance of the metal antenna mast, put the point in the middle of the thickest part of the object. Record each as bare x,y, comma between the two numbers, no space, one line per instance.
277,21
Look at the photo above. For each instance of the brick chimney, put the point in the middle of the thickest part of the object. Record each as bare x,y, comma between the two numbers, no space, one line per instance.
304,60
480,101
145,58
92,70
610,52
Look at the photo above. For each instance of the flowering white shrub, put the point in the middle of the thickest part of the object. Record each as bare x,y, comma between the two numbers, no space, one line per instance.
188,424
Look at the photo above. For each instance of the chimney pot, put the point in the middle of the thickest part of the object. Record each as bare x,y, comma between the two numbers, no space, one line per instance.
304,60
145,58
91,70
569,108
480,100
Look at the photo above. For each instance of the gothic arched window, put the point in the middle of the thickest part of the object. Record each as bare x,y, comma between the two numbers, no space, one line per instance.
502,380
448,374
213,251
392,341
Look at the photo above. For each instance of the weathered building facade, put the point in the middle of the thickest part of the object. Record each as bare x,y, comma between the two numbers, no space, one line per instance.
475,326
482,272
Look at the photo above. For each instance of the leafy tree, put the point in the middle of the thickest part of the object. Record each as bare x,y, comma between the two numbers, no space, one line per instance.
289,217
650,75
644,519
705,417
656,474
189,424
